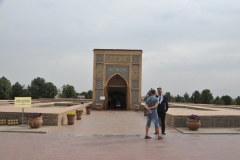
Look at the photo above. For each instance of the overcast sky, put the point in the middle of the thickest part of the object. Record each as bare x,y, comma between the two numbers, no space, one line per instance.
187,45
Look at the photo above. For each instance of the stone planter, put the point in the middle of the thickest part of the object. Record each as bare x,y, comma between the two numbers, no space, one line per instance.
79,113
136,107
70,120
35,122
145,112
98,107
193,124
88,111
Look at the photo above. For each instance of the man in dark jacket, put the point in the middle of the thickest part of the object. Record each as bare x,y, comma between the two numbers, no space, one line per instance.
162,108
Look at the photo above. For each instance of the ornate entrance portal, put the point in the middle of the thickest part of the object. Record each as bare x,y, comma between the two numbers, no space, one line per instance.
117,75
116,91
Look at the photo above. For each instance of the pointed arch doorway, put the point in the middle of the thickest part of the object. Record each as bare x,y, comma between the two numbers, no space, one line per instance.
116,93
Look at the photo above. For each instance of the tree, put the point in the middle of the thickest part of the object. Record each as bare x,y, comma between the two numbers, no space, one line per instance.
17,90
49,90
227,100
218,100
26,93
169,96
238,100
183,100
187,97
196,97
5,88
36,87
68,91
207,96
148,94
178,98
90,94
85,94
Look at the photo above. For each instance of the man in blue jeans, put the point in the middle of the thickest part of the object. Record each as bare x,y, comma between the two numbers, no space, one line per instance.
151,106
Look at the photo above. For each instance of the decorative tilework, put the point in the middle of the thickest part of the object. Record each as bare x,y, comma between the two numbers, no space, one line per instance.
99,71
99,83
135,84
122,70
98,93
135,72
117,58
99,57
135,59
134,97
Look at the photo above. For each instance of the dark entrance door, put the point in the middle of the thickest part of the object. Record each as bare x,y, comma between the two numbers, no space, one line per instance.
117,98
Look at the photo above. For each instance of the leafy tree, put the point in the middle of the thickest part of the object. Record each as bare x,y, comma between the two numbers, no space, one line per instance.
233,102
238,100
178,98
49,90
26,93
5,88
183,100
68,91
90,94
148,94
218,100
36,87
170,98
207,96
196,97
17,90
85,94
187,97
227,100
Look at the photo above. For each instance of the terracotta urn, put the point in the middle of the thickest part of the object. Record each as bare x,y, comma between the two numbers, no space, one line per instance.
35,122
70,120
88,110
79,113
193,124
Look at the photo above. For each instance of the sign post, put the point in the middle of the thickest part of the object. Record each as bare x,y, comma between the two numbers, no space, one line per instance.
22,102
102,98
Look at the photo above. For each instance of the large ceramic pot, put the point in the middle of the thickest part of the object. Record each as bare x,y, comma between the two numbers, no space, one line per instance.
193,124
35,122
79,113
88,111
70,120
136,107
98,107
145,112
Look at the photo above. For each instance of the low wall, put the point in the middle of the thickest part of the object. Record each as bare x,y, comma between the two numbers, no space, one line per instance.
206,121
49,119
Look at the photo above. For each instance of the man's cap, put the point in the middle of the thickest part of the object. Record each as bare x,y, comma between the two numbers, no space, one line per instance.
159,88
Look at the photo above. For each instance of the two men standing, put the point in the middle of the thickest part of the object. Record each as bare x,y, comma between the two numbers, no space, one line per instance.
157,107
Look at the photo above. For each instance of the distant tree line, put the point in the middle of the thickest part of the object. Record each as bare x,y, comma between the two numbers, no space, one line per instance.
38,88
205,97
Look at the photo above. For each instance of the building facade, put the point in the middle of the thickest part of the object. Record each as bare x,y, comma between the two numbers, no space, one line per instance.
117,75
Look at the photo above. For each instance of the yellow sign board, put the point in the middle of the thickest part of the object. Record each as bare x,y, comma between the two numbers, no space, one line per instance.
22,102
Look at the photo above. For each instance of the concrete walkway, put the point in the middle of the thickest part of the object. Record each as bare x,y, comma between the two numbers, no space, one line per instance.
116,135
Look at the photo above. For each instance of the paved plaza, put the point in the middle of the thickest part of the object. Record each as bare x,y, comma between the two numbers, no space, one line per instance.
116,135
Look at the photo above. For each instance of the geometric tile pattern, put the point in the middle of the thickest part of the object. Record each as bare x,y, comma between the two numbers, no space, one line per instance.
99,57
135,59
134,97
99,71
135,72
122,70
135,84
98,93
99,84
117,58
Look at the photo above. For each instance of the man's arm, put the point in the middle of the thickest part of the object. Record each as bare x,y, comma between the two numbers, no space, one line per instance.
166,104
155,106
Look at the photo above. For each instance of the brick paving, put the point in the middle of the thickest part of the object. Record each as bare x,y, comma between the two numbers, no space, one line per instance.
66,143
